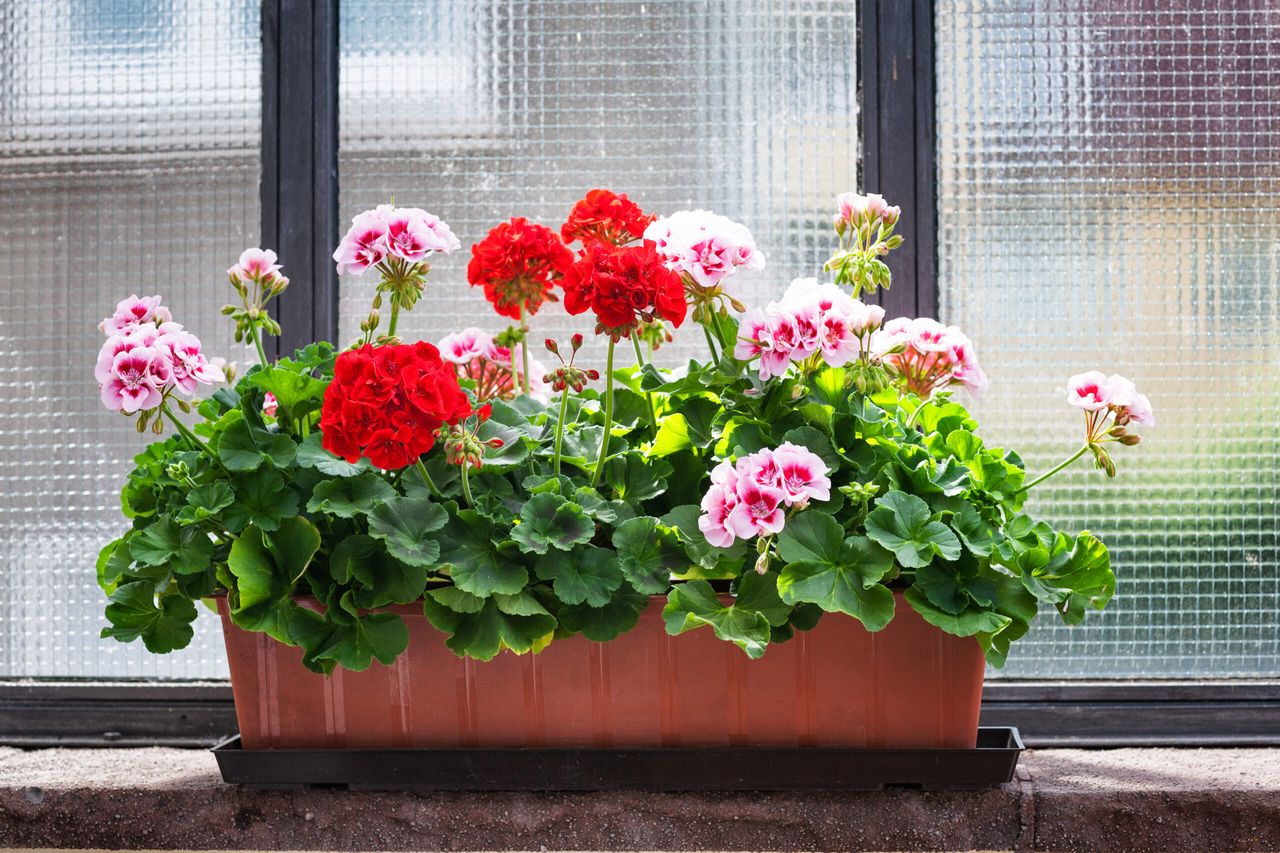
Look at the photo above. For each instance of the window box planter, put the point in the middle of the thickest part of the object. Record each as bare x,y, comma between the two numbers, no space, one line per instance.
908,686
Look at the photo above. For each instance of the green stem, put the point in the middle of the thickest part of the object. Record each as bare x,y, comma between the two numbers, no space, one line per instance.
564,413
524,351
431,484
466,485
648,396
715,358
1055,469
395,316
257,343
608,414
192,438
916,413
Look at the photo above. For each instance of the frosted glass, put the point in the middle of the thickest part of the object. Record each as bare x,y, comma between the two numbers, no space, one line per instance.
478,111
1109,197
129,140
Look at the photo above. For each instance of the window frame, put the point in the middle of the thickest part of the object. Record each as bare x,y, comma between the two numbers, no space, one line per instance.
300,221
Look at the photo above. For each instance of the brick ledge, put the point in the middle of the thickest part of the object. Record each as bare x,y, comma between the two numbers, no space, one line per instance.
1165,800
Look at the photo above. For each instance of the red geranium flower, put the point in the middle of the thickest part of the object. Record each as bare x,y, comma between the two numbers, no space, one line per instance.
386,403
517,262
605,217
625,287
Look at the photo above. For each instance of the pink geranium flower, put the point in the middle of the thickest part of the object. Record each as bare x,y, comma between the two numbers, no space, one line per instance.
928,356
466,346
256,265
186,359
364,245
809,319
717,504
704,247
412,234
134,312
1089,391
802,474
758,511
135,382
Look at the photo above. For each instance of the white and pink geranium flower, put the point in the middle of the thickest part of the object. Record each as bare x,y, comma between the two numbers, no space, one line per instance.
1094,391
147,356
705,247
854,209
749,498
928,356
407,233
134,312
809,319
477,357
260,265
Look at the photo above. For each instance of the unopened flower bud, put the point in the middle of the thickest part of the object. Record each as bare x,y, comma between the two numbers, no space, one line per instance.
552,347
762,563
1129,440
495,443
593,374
576,340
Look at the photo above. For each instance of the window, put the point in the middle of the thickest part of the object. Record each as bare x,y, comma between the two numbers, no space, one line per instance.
131,164
1108,197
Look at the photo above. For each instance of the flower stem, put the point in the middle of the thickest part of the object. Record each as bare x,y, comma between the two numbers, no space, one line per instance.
192,438
466,486
715,358
915,413
524,351
564,413
1055,469
257,344
608,413
431,484
395,316
648,396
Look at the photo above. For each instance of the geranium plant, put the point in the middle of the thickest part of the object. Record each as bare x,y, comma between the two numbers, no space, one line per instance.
818,461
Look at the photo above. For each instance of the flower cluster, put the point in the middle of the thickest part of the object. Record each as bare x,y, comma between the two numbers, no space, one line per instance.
603,216
625,286
463,445
569,375
147,356
811,319
928,356
870,209
386,234
1110,405
478,357
256,279
517,263
864,224
749,498
704,247
386,403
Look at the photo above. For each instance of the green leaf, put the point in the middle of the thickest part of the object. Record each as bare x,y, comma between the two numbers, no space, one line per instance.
406,526
1015,602
584,575
483,634
133,613
267,566
183,551
206,501
811,536
954,586
242,447
476,565
602,624
347,497
635,478
113,561
693,604
973,620
648,554
382,578
849,584
817,442
311,454
690,427
759,592
352,645
902,523
456,600
262,499
297,394
549,521
978,536
1077,575
513,452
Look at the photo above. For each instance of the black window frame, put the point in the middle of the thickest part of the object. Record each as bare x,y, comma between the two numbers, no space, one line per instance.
300,221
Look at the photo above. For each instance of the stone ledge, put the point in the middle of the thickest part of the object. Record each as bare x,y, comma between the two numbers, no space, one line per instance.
1064,800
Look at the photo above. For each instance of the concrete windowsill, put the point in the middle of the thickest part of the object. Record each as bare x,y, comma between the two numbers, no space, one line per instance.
1064,800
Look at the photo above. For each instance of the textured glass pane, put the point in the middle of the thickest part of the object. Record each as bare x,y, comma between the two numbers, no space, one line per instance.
1110,197
480,110
128,164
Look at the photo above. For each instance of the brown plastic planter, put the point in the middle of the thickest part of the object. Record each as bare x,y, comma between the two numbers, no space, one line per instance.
908,686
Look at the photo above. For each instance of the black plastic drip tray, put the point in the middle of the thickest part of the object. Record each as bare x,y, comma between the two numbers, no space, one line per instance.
991,763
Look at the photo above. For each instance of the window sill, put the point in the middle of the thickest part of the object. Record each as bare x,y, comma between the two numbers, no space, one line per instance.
1140,799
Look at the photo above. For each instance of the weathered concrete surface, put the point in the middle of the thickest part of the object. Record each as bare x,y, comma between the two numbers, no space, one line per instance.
1064,800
